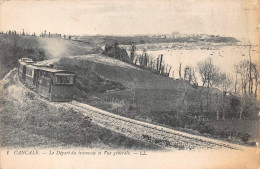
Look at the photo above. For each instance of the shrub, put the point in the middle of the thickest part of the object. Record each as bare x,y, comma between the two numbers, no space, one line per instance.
116,52
243,136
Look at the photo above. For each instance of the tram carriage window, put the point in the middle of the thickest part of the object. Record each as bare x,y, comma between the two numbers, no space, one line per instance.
21,67
29,72
71,80
45,74
62,79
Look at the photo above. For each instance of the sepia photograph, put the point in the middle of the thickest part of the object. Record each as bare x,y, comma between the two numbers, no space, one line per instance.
129,84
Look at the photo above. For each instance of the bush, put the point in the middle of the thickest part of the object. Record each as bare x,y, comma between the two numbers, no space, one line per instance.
244,137
116,52
173,119
170,118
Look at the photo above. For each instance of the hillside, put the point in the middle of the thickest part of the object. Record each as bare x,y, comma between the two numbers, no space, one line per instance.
107,77
27,121
127,74
128,91
103,78
14,47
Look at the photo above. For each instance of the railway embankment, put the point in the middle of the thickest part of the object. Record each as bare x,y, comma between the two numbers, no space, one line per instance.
130,128
27,120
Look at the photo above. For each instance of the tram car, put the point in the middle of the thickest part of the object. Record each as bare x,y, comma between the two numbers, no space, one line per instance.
22,68
53,84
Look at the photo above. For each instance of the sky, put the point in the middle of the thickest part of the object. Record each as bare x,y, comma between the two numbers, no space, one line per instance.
132,17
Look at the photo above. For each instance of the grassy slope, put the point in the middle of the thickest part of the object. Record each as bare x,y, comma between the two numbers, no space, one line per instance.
152,91
13,47
157,99
28,122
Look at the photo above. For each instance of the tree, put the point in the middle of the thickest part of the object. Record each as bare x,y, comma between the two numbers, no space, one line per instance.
116,44
190,74
250,85
209,76
160,67
116,52
141,60
136,58
132,52
247,80
242,69
226,83
180,71
236,80
186,73
169,70
157,64
146,59
183,99
256,75
246,70
151,64
193,77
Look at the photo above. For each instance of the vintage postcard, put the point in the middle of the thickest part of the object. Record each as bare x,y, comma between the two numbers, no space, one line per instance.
123,84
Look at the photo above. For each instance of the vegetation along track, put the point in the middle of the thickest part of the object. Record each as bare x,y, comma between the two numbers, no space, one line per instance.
156,134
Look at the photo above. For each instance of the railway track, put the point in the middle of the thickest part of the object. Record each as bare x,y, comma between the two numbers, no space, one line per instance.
149,132
156,134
